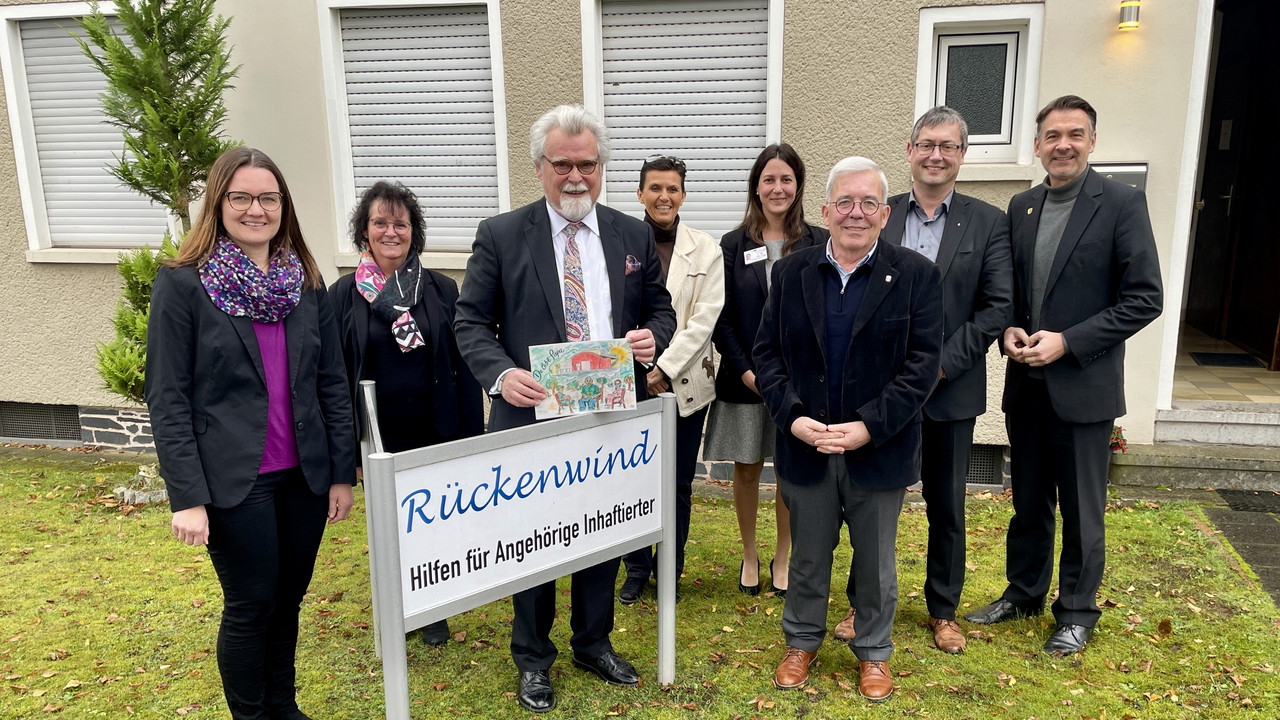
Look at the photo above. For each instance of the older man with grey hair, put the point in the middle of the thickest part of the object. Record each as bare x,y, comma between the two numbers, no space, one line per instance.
561,269
847,353
969,242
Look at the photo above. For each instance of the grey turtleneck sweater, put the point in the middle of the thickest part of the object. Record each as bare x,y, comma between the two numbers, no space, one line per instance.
1053,222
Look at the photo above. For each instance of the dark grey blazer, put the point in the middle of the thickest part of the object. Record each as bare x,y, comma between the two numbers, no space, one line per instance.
1104,286
207,394
977,298
890,366
511,296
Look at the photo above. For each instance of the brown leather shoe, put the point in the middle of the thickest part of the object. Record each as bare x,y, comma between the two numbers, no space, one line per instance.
793,671
844,631
874,683
947,635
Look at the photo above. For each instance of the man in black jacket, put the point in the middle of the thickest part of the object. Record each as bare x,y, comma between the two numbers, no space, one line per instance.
847,354
560,269
1086,278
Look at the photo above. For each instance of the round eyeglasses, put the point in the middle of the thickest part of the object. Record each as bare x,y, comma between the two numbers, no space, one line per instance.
564,167
844,206
269,201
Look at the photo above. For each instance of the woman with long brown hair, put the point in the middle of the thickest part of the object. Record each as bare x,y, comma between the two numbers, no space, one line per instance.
739,427
251,417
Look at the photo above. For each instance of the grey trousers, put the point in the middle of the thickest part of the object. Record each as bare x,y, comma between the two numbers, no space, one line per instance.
817,512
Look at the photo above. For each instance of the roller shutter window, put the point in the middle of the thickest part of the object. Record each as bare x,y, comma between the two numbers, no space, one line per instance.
420,106
687,79
84,206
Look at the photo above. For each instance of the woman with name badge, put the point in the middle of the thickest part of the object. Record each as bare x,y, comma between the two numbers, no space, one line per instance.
693,270
396,321
251,417
739,427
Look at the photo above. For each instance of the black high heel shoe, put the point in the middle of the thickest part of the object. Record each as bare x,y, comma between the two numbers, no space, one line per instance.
777,591
751,590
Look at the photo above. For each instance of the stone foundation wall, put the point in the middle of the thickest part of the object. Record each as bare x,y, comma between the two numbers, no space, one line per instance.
116,428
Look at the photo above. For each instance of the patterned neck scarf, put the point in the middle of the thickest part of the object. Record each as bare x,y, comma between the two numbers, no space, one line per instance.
391,298
242,289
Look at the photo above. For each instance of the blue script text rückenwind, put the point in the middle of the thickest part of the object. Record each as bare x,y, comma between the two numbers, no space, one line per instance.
457,500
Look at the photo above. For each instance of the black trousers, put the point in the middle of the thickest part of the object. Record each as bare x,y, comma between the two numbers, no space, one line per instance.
264,550
1054,462
944,467
591,600
688,439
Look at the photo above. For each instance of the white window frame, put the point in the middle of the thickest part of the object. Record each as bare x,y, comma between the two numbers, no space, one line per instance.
1022,88
593,62
40,248
344,196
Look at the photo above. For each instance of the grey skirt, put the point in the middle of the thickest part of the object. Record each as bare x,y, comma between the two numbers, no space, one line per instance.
739,432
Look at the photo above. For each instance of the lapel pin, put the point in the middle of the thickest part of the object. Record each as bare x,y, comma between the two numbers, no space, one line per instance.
888,278
1028,211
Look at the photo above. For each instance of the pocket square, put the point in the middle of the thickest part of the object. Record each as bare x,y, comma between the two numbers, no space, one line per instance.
633,265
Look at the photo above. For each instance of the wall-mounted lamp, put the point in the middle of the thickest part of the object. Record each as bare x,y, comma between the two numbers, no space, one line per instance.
1129,14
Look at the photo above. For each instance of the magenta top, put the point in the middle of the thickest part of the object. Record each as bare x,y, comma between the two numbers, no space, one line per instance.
281,450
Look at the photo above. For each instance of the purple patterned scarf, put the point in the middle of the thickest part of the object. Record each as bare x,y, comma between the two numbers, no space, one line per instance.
242,289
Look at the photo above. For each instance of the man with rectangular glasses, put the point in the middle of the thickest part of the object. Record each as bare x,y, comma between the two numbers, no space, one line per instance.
561,269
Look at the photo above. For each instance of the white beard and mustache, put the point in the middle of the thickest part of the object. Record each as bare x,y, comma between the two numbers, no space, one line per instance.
574,207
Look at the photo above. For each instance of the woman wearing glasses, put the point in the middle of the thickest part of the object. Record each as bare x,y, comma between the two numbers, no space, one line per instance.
739,427
693,270
251,417
425,393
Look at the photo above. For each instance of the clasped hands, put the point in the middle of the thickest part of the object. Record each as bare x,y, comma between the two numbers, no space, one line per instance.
1037,350
521,390
831,439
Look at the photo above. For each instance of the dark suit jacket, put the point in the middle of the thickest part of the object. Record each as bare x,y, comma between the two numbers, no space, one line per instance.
459,404
977,298
890,367
511,295
1104,286
745,289
207,394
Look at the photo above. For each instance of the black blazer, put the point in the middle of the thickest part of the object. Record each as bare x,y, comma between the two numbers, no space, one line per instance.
745,289
459,404
511,297
890,367
207,394
1104,286
977,298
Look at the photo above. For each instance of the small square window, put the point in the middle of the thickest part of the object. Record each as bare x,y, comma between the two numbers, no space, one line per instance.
984,62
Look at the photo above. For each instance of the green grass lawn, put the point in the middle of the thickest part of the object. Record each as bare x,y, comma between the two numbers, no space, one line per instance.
104,614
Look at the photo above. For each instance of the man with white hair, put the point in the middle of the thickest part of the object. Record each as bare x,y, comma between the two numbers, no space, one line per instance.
847,353
562,269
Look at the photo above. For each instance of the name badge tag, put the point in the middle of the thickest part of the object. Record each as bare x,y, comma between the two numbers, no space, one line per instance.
755,255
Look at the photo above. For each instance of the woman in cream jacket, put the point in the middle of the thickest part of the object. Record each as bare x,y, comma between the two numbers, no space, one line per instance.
693,267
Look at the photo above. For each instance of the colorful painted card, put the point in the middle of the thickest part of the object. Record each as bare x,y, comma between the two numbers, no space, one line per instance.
583,377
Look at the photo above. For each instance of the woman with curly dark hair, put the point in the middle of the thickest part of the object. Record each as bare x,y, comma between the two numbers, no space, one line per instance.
396,321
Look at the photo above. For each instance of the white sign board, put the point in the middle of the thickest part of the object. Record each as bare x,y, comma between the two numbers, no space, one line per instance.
457,525
471,523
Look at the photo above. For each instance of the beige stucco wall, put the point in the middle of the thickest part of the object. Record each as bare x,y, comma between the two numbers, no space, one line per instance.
843,94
